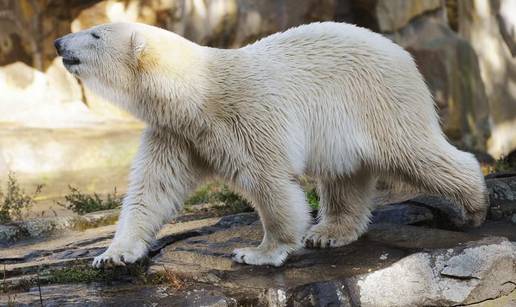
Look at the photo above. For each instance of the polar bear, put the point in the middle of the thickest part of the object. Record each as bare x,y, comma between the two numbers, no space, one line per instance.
331,100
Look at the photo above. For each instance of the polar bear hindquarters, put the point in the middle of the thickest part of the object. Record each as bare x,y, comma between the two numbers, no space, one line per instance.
440,169
409,144
432,165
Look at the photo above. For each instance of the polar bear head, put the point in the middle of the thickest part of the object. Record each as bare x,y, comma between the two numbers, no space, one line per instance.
107,53
135,65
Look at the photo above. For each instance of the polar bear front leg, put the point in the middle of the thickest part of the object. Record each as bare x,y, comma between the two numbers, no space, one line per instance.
284,214
164,173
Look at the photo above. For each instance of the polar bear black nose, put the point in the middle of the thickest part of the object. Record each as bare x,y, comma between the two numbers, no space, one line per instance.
58,43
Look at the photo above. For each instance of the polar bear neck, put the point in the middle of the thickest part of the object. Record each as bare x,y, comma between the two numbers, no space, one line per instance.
169,88
168,85
183,85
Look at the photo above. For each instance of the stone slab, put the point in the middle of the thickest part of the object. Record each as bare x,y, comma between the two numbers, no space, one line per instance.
427,266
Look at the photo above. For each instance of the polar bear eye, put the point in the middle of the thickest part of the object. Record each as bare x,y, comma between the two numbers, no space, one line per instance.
95,35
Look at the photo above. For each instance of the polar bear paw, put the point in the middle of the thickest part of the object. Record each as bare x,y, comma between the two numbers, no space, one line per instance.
120,255
325,236
262,256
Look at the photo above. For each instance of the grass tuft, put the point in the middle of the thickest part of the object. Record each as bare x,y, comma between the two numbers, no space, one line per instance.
84,273
76,275
224,200
14,201
169,278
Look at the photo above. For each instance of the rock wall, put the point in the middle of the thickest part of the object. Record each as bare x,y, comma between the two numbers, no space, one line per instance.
490,27
469,65
36,89
29,27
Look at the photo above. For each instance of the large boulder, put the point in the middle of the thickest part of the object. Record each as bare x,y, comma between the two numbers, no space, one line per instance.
489,27
58,101
391,265
420,26
37,90
389,16
220,23
450,67
394,15
28,29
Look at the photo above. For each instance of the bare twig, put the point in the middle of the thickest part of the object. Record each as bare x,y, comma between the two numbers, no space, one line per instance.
11,299
173,279
39,288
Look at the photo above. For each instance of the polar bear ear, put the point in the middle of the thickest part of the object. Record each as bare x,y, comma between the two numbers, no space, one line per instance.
137,44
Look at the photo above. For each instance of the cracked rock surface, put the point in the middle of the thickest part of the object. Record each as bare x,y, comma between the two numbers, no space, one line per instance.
407,258
392,265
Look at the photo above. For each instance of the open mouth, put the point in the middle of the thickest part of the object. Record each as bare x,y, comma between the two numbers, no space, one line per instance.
71,61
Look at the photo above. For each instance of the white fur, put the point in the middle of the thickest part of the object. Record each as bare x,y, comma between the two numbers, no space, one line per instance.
330,100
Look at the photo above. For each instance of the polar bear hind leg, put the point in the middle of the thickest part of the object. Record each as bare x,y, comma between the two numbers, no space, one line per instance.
443,170
345,210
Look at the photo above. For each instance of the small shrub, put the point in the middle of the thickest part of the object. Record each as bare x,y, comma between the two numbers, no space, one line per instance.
14,201
84,203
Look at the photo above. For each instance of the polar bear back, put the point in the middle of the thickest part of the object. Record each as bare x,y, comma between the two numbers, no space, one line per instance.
349,91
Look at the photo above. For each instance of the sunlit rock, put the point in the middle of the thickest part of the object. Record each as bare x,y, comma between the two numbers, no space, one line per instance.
451,70
478,24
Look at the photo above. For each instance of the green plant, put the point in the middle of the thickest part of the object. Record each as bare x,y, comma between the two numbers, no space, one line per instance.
227,202
14,201
81,203
504,164
218,193
203,195
84,273
312,198
77,274
230,198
